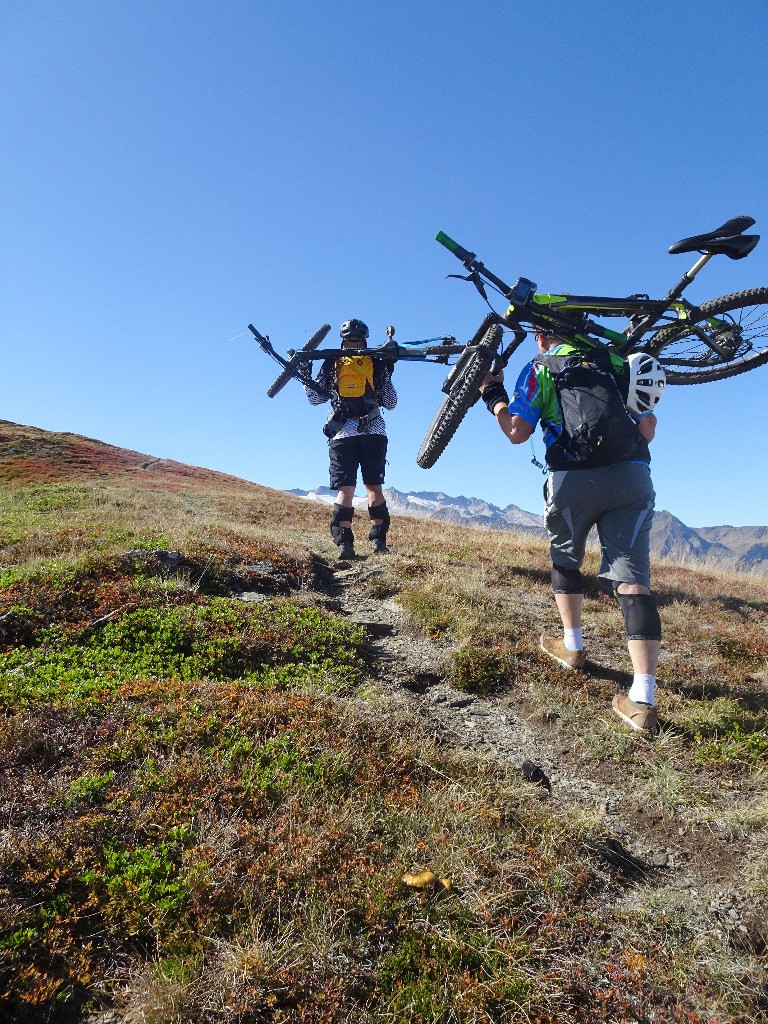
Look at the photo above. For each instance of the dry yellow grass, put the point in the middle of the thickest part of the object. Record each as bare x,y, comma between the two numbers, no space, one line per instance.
269,823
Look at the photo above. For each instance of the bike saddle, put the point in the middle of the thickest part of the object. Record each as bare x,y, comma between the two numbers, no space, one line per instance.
726,240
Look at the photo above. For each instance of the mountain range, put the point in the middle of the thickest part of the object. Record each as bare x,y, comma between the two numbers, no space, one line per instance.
29,455
729,548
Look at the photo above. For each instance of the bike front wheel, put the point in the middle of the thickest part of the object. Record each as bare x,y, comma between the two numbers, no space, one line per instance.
728,337
464,392
292,370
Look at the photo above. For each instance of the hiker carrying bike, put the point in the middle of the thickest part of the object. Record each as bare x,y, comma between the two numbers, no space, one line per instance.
358,388
600,480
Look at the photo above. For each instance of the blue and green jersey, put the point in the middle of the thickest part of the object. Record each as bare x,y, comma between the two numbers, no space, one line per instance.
535,399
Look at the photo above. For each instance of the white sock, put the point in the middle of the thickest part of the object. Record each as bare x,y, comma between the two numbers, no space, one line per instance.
643,689
573,639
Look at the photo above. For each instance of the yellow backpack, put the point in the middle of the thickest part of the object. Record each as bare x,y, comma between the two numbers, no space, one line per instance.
354,376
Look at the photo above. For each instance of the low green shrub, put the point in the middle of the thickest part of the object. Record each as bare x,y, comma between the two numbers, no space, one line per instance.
220,639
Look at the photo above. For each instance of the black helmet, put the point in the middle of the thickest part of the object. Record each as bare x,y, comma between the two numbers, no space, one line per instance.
353,329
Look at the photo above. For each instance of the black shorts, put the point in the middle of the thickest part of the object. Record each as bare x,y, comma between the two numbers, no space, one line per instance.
366,451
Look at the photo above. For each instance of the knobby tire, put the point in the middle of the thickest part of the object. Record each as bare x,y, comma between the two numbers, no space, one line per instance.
462,396
457,370
747,310
290,371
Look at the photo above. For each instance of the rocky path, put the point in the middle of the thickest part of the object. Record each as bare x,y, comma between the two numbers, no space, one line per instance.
646,845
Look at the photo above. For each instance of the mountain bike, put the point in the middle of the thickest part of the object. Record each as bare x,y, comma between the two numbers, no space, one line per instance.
695,344
298,364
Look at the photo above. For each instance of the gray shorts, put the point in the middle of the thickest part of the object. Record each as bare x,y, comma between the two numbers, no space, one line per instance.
618,500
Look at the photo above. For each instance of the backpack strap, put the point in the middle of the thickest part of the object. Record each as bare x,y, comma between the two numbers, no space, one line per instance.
554,363
598,356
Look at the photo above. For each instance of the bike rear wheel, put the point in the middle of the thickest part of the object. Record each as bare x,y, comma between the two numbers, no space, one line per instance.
291,371
464,392
698,352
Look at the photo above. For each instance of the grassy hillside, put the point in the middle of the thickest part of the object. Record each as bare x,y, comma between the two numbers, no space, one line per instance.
242,783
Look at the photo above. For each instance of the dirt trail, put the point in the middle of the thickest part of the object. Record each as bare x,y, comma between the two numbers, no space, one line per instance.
646,844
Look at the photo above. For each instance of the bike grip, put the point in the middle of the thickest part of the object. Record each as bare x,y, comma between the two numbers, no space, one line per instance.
256,334
459,251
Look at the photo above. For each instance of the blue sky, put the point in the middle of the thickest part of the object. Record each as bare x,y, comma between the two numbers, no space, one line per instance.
172,171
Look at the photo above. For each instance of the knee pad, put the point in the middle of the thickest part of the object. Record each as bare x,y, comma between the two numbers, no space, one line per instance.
567,581
341,534
379,530
641,616
341,514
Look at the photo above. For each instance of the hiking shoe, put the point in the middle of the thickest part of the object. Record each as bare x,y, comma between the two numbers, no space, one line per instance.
379,546
640,717
346,551
557,650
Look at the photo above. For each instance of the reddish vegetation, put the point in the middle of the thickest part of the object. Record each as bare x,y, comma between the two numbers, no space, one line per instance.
239,846
29,455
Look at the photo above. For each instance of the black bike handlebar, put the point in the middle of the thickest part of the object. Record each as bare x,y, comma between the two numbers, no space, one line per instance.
522,303
474,266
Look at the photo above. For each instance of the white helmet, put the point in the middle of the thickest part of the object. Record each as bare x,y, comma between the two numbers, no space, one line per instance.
647,381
